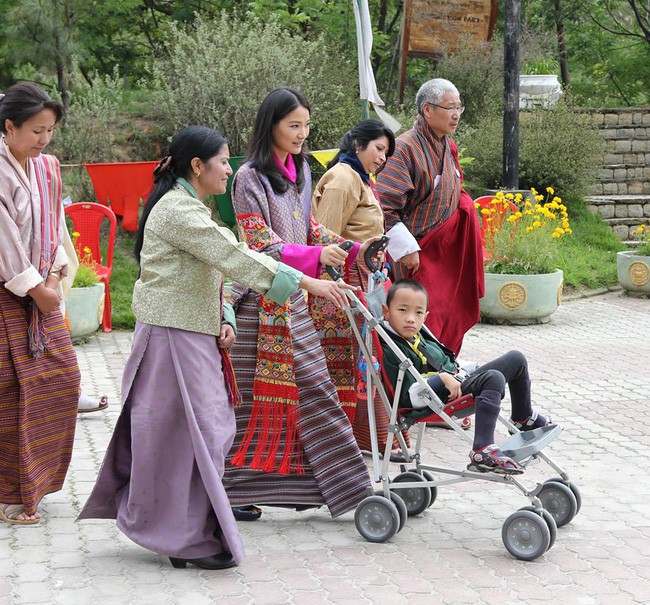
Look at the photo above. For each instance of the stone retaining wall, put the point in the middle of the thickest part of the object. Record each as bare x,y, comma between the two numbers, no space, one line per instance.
622,194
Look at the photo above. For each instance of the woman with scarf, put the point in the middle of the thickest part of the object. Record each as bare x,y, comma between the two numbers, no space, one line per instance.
39,375
346,201
161,476
294,444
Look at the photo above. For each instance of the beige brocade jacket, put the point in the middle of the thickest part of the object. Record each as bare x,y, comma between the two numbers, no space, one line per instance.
346,205
184,257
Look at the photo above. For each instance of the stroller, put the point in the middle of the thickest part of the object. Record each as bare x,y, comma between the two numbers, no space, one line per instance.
528,532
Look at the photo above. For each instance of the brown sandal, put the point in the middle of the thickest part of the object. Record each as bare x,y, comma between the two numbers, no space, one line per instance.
11,516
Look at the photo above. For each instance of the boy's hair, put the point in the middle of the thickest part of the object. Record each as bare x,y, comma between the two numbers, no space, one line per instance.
409,283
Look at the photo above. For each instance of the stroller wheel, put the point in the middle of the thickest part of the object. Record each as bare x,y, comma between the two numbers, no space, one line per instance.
558,499
526,535
434,490
548,517
377,519
572,486
401,507
416,498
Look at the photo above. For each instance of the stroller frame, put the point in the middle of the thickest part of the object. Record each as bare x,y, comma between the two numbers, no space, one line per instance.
526,533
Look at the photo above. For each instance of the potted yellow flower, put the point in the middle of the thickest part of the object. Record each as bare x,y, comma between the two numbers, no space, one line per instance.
634,265
523,282
85,299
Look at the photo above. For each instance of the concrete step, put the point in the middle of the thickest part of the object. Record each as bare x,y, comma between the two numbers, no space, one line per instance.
598,200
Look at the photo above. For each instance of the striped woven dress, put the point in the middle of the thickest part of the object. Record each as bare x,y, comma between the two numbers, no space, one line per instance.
39,387
294,444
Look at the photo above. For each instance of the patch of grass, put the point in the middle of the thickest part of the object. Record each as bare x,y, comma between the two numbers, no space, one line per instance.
589,253
125,273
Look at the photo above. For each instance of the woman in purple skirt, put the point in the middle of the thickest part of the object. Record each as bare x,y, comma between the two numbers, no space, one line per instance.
161,477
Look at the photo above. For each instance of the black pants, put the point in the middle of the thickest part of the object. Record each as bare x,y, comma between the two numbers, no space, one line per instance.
487,384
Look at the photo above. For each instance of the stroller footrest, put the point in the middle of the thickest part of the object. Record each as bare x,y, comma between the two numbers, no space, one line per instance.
527,443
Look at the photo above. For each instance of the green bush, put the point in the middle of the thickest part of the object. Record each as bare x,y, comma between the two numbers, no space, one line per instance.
558,147
88,133
218,71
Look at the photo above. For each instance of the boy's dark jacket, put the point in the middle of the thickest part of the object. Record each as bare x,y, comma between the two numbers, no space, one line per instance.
438,356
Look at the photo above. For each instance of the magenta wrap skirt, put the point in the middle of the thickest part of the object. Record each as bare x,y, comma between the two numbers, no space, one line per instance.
161,476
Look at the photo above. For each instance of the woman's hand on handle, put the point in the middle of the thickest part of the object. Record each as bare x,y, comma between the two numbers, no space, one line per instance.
326,289
333,255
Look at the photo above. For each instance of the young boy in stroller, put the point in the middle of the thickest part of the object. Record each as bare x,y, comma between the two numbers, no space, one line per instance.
404,314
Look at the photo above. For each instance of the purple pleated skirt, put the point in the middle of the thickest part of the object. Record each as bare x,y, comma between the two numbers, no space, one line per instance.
161,478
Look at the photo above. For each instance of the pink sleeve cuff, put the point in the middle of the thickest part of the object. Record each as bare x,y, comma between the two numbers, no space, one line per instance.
352,255
304,258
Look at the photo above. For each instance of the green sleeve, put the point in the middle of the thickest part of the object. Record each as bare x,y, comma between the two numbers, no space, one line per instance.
229,316
285,283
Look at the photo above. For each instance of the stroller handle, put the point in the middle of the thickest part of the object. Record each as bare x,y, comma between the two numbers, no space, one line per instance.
335,272
378,246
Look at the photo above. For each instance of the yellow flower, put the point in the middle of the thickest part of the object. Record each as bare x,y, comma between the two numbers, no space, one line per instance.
509,196
550,190
87,250
76,234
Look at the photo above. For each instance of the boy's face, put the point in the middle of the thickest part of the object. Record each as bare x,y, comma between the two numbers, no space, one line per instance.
407,312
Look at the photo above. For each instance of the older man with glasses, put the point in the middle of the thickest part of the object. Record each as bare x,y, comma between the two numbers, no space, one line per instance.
431,219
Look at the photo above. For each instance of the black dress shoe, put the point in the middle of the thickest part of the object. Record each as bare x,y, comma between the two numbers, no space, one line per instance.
223,560
247,513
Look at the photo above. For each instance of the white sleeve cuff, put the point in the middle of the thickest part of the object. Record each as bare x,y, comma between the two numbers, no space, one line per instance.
401,242
24,282
60,263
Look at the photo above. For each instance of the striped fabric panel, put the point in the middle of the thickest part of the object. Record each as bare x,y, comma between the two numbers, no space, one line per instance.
335,472
406,184
38,406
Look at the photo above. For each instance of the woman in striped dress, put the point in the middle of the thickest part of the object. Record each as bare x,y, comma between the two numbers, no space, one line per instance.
294,444
39,375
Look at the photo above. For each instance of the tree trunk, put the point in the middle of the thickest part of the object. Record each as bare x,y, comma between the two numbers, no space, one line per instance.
561,44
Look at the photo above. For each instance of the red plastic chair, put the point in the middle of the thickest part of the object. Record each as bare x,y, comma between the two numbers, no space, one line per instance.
87,220
488,229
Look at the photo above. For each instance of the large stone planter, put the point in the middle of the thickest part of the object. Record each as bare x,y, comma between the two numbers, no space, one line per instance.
539,90
521,299
85,308
633,272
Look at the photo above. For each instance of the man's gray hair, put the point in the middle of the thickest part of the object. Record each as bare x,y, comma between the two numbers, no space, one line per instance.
432,92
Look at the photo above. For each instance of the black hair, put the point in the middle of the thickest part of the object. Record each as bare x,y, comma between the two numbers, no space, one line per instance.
361,135
408,283
275,106
24,100
192,142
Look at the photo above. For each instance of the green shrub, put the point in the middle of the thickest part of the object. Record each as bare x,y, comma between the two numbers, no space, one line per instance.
558,147
88,133
218,71
477,72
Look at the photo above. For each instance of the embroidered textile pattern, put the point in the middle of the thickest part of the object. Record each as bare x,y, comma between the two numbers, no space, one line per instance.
275,394
334,330
255,233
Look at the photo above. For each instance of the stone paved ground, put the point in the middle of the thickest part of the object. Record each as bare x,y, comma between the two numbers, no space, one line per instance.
590,368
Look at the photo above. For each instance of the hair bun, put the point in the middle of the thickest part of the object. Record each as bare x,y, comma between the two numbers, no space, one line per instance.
162,167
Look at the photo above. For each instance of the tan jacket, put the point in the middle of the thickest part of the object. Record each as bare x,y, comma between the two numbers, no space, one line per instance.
184,257
346,205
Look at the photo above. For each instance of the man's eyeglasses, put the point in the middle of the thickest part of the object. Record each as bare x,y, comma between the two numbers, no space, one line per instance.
450,110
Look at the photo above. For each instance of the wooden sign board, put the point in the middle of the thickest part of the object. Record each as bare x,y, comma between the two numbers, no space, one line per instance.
442,26
432,28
